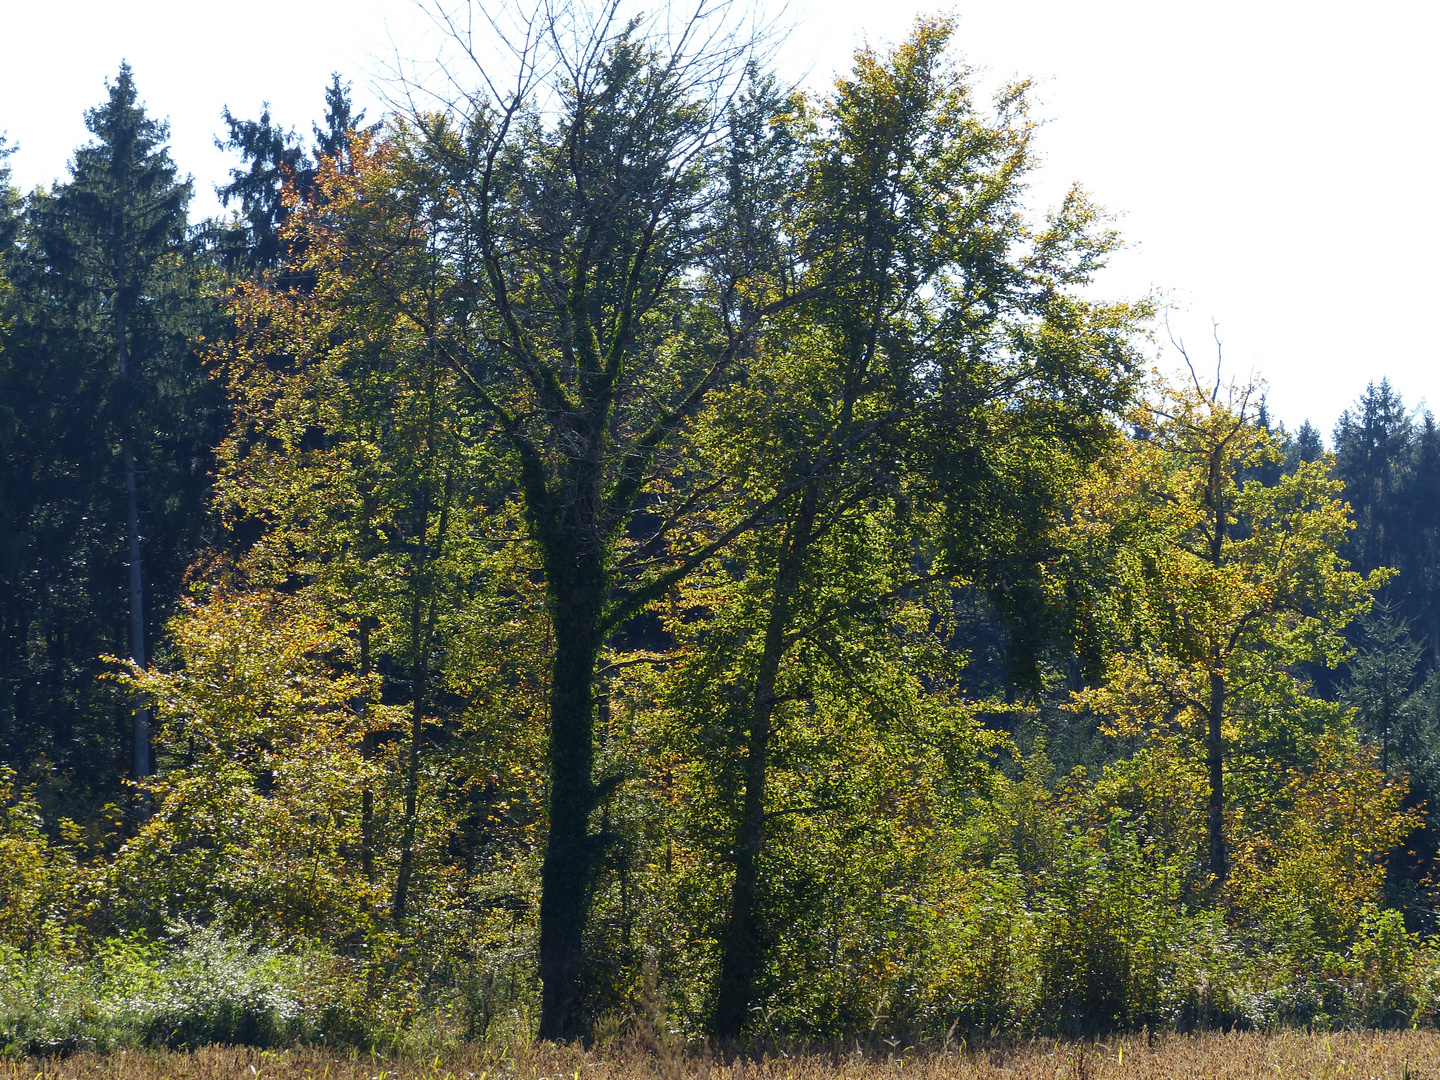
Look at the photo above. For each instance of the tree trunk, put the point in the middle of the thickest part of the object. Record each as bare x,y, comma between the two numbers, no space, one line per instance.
412,789
577,596
367,753
741,956
422,634
1216,761
1214,720
132,515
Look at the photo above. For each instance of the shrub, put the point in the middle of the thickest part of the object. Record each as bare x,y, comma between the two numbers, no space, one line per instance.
200,987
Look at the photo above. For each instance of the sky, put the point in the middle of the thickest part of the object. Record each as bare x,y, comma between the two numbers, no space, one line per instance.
1272,165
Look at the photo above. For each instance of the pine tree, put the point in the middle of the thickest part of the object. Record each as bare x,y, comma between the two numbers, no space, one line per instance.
271,154
341,121
109,233
1306,445
1382,684
1372,445
274,157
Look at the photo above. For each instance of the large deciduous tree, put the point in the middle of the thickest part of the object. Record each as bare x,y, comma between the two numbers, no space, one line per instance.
938,340
633,230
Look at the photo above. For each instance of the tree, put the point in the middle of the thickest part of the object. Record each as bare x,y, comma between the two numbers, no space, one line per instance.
1372,448
902,362
1225,586
1307,445
1382,686
352,474
271,155
274,158
1420,549
1398,709
591,313
610,277
121,214
114,421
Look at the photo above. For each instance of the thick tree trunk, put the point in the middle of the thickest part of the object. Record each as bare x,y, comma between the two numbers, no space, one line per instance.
741,956
1215,759
577,598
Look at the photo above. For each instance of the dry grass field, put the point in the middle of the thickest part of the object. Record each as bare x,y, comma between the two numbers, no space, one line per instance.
1400,1055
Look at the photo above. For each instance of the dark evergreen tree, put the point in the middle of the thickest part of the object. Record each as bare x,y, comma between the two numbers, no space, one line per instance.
1305,445
9,200
1420,537
1399,710
273,157
1382,684
107,458
341,121
1372,445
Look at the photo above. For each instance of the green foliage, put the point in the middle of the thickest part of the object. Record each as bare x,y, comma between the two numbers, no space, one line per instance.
670,570
105,298
38,877
198,986
257,807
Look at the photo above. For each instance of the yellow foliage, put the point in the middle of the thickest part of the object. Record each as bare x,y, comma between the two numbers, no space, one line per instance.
1314,861
258,805
37,876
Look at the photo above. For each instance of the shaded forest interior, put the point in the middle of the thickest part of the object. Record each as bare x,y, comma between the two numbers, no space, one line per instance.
648,551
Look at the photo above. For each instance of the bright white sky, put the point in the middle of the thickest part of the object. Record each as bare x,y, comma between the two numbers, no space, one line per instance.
1275,162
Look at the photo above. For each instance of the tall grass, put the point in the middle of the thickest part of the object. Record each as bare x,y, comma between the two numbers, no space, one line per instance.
1409,1055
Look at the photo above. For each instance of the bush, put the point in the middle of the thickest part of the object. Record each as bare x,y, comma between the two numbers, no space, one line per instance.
200,987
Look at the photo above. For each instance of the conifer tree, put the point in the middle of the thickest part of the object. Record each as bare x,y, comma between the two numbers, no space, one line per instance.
1372,446
274,157
109,232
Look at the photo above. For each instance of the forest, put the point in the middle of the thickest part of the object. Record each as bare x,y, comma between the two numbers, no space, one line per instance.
635,551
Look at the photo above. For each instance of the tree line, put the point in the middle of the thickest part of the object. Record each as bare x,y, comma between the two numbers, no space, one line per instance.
640,545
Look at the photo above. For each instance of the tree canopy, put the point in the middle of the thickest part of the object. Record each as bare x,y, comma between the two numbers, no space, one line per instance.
639,548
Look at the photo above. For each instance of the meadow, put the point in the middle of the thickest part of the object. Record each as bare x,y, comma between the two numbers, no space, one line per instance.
1412,1055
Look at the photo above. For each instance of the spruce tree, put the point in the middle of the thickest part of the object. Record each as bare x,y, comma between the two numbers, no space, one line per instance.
274,157
108,233
270,155
1372,445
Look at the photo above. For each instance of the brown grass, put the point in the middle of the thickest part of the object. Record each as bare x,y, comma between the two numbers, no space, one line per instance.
1399,1055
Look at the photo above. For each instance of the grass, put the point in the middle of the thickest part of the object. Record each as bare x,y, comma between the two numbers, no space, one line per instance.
1409,1055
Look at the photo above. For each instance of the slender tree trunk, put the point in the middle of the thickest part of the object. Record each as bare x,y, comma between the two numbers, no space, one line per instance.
577,597
422,633
142,766
741,944
1215,759
137,608
1215,718
368,740
367,753
412,784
